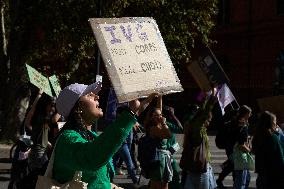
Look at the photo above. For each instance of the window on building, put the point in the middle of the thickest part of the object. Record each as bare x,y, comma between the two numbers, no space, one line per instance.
224,12
280,7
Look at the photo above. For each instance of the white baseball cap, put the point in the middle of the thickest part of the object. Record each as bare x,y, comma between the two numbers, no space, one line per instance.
68,96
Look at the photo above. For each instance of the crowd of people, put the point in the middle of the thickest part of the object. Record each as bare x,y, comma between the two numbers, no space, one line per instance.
76,147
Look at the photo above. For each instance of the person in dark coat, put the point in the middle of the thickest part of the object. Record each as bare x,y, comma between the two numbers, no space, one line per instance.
269,153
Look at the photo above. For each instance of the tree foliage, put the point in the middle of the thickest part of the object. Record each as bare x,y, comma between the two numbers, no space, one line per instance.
181,22
61,38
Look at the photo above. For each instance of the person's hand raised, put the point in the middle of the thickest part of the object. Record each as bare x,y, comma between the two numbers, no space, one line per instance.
134,105
153,95
170,109
144,103
163,120
40,92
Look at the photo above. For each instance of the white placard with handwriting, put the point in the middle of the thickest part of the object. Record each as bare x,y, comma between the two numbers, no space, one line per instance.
135,56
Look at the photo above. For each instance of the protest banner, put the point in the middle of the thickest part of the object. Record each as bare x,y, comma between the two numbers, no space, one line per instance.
55,84
273,104
225,97
37,79
206,70
199,76
135,56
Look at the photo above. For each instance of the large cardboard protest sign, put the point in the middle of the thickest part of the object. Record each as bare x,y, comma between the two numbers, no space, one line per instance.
207,71
273,104
39,80
135,56
55,84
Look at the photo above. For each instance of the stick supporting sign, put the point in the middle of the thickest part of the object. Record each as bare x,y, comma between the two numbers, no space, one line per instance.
135,56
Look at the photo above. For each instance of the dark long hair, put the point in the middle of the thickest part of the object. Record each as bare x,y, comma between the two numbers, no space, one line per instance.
148,121
263,129
244,109
75,122
40,109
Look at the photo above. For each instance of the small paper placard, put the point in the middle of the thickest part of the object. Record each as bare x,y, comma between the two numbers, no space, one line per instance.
39,80
55,84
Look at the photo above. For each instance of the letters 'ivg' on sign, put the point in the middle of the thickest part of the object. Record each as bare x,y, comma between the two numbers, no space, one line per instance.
127,32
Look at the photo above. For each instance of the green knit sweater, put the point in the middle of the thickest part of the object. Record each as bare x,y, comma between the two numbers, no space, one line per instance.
74,153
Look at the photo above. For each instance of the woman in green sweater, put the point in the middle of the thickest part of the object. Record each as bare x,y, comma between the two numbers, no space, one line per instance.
78,148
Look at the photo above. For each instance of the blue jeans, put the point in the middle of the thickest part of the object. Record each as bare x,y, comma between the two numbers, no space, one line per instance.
201,181
129,139
242,179
124,153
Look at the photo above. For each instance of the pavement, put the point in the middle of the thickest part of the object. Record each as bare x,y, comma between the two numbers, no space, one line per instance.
5,165
218,157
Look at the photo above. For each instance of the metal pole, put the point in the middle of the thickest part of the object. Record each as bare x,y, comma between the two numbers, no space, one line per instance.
249,49
98,57
99,14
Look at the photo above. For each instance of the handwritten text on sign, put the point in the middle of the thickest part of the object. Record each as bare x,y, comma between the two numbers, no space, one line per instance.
55,84
135,56
39,80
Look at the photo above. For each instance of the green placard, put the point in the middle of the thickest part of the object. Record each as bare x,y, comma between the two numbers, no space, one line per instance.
55,84
39,80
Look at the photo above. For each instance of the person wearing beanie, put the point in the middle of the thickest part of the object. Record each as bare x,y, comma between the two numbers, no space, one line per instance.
80,149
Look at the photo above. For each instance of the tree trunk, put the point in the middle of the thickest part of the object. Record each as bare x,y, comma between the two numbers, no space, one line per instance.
3,30
3,60
14,114
15,96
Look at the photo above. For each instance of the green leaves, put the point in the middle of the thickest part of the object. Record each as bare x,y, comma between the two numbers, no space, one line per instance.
59,35
181,22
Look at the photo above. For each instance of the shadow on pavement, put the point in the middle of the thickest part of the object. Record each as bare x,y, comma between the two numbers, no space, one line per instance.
4,179
5,160
5,171
131,186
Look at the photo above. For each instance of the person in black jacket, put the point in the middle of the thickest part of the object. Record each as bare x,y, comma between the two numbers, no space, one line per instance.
238,126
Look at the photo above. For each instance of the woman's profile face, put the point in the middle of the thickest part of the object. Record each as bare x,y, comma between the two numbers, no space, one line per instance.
157,116
274,124
50,108
247,116
89,105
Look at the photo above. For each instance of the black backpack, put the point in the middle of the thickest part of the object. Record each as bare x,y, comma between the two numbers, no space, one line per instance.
147,154
223,135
